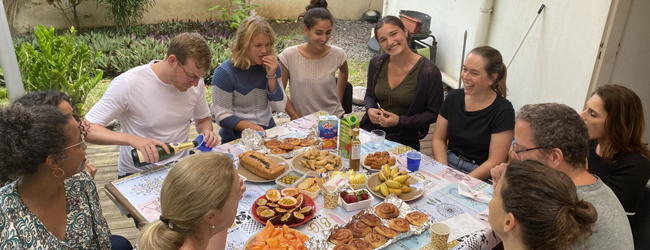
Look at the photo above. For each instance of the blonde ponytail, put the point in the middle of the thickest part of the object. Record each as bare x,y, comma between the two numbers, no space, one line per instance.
158,236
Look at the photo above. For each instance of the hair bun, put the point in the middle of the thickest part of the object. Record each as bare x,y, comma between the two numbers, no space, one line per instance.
585,212
317,4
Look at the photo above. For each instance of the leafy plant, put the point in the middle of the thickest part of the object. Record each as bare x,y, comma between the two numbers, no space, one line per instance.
125,13
236,15
2,77
59,64
67,6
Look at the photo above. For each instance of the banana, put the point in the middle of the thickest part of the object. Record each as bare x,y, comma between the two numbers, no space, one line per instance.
395,191
386,171
401,178
406,189
381,176
378,187
393,184
406,183
384,189
394,171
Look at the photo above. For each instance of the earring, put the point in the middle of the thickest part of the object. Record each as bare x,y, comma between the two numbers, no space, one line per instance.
212,226
58,176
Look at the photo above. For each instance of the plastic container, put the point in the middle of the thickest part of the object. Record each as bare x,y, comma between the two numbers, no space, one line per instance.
310,174
346,176
279,185
359,204
425,26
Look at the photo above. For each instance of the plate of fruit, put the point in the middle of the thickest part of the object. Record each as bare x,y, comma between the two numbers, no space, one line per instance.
392,180
270,236
355,199
283,207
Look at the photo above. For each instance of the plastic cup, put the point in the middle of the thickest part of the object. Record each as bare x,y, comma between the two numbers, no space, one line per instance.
439,235
413,161
377,137
330,198
201,147
260,133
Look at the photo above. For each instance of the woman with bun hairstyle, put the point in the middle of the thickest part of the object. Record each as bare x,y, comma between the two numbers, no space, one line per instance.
245,87
476,124
53,203
198,203
537,207
617,154
310,67
404,91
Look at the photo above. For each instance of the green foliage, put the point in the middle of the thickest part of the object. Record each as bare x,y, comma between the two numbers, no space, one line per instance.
125,13
59,64
236,15
2,77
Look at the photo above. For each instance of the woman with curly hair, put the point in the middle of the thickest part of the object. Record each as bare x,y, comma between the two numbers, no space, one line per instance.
53,203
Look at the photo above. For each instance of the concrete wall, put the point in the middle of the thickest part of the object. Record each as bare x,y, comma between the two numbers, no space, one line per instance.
633,59
556,62
31,15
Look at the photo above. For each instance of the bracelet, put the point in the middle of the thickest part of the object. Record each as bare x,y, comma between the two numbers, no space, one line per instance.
272,77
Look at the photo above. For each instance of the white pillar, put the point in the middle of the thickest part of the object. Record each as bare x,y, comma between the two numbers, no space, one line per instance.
8,60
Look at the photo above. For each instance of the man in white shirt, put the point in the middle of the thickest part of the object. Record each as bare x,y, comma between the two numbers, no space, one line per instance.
155,104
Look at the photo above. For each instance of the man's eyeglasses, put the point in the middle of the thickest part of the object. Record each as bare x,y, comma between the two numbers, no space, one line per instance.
82,140
517,152
190,78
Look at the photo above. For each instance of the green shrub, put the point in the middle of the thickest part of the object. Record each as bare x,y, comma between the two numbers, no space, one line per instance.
237,15
125,13
58,64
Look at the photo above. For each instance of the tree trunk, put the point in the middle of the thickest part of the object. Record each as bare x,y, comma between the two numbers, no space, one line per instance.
76,18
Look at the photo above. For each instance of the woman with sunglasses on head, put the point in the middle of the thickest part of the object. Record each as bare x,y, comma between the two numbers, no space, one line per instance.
537,207
614,118
245,88
310,67
53,203
404,91
476,124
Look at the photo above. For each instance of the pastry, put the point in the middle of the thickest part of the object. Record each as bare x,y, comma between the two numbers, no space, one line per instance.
399,225
341,236
292,141
359,229
278,151
260,165
375,240
343,247
307,142
286,146
360,244
370,220
387,211
416,218
296,147
385,231
272,143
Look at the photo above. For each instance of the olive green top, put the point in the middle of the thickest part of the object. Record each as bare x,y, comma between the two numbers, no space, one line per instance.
397,100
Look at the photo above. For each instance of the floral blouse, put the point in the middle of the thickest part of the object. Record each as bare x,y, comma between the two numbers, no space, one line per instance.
86,227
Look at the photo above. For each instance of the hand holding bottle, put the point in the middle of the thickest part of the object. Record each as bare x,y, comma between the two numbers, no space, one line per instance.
148,148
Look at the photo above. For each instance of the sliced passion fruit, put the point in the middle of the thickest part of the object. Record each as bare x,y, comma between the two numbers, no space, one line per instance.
273,195
267,214
290,192
279,210
276,220
286,218
259,209
261,202
272,205
300,200
307,210
287,202
298,217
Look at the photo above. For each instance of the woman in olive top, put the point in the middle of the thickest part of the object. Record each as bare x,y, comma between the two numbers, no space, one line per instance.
476,124
614,117
404,90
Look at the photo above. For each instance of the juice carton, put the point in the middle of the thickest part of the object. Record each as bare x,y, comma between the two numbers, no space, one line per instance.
345,133
328,129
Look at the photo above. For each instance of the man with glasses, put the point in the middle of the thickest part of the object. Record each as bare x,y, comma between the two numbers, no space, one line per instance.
155,104
556,135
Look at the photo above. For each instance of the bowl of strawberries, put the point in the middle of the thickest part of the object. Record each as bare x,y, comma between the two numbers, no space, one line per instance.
355,199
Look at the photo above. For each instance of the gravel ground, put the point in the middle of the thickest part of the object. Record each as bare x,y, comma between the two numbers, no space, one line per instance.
352,37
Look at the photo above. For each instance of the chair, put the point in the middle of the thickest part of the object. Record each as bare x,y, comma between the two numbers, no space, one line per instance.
640,223
347,97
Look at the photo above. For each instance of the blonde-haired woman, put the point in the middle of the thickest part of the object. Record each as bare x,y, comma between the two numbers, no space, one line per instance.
245,87
197,208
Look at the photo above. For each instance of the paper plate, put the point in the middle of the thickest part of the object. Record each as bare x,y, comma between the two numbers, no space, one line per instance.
254,178
417,189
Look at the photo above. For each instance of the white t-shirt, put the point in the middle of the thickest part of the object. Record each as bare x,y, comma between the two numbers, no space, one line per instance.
147,107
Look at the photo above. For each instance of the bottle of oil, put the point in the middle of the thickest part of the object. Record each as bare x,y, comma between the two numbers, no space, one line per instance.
355,150
174,148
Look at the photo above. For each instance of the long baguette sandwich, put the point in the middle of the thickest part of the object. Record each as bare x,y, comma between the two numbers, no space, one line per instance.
260,165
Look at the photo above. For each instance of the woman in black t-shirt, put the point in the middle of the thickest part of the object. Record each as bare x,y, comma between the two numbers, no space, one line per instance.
476,124
614,117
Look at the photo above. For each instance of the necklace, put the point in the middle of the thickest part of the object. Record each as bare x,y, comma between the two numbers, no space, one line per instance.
400,68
